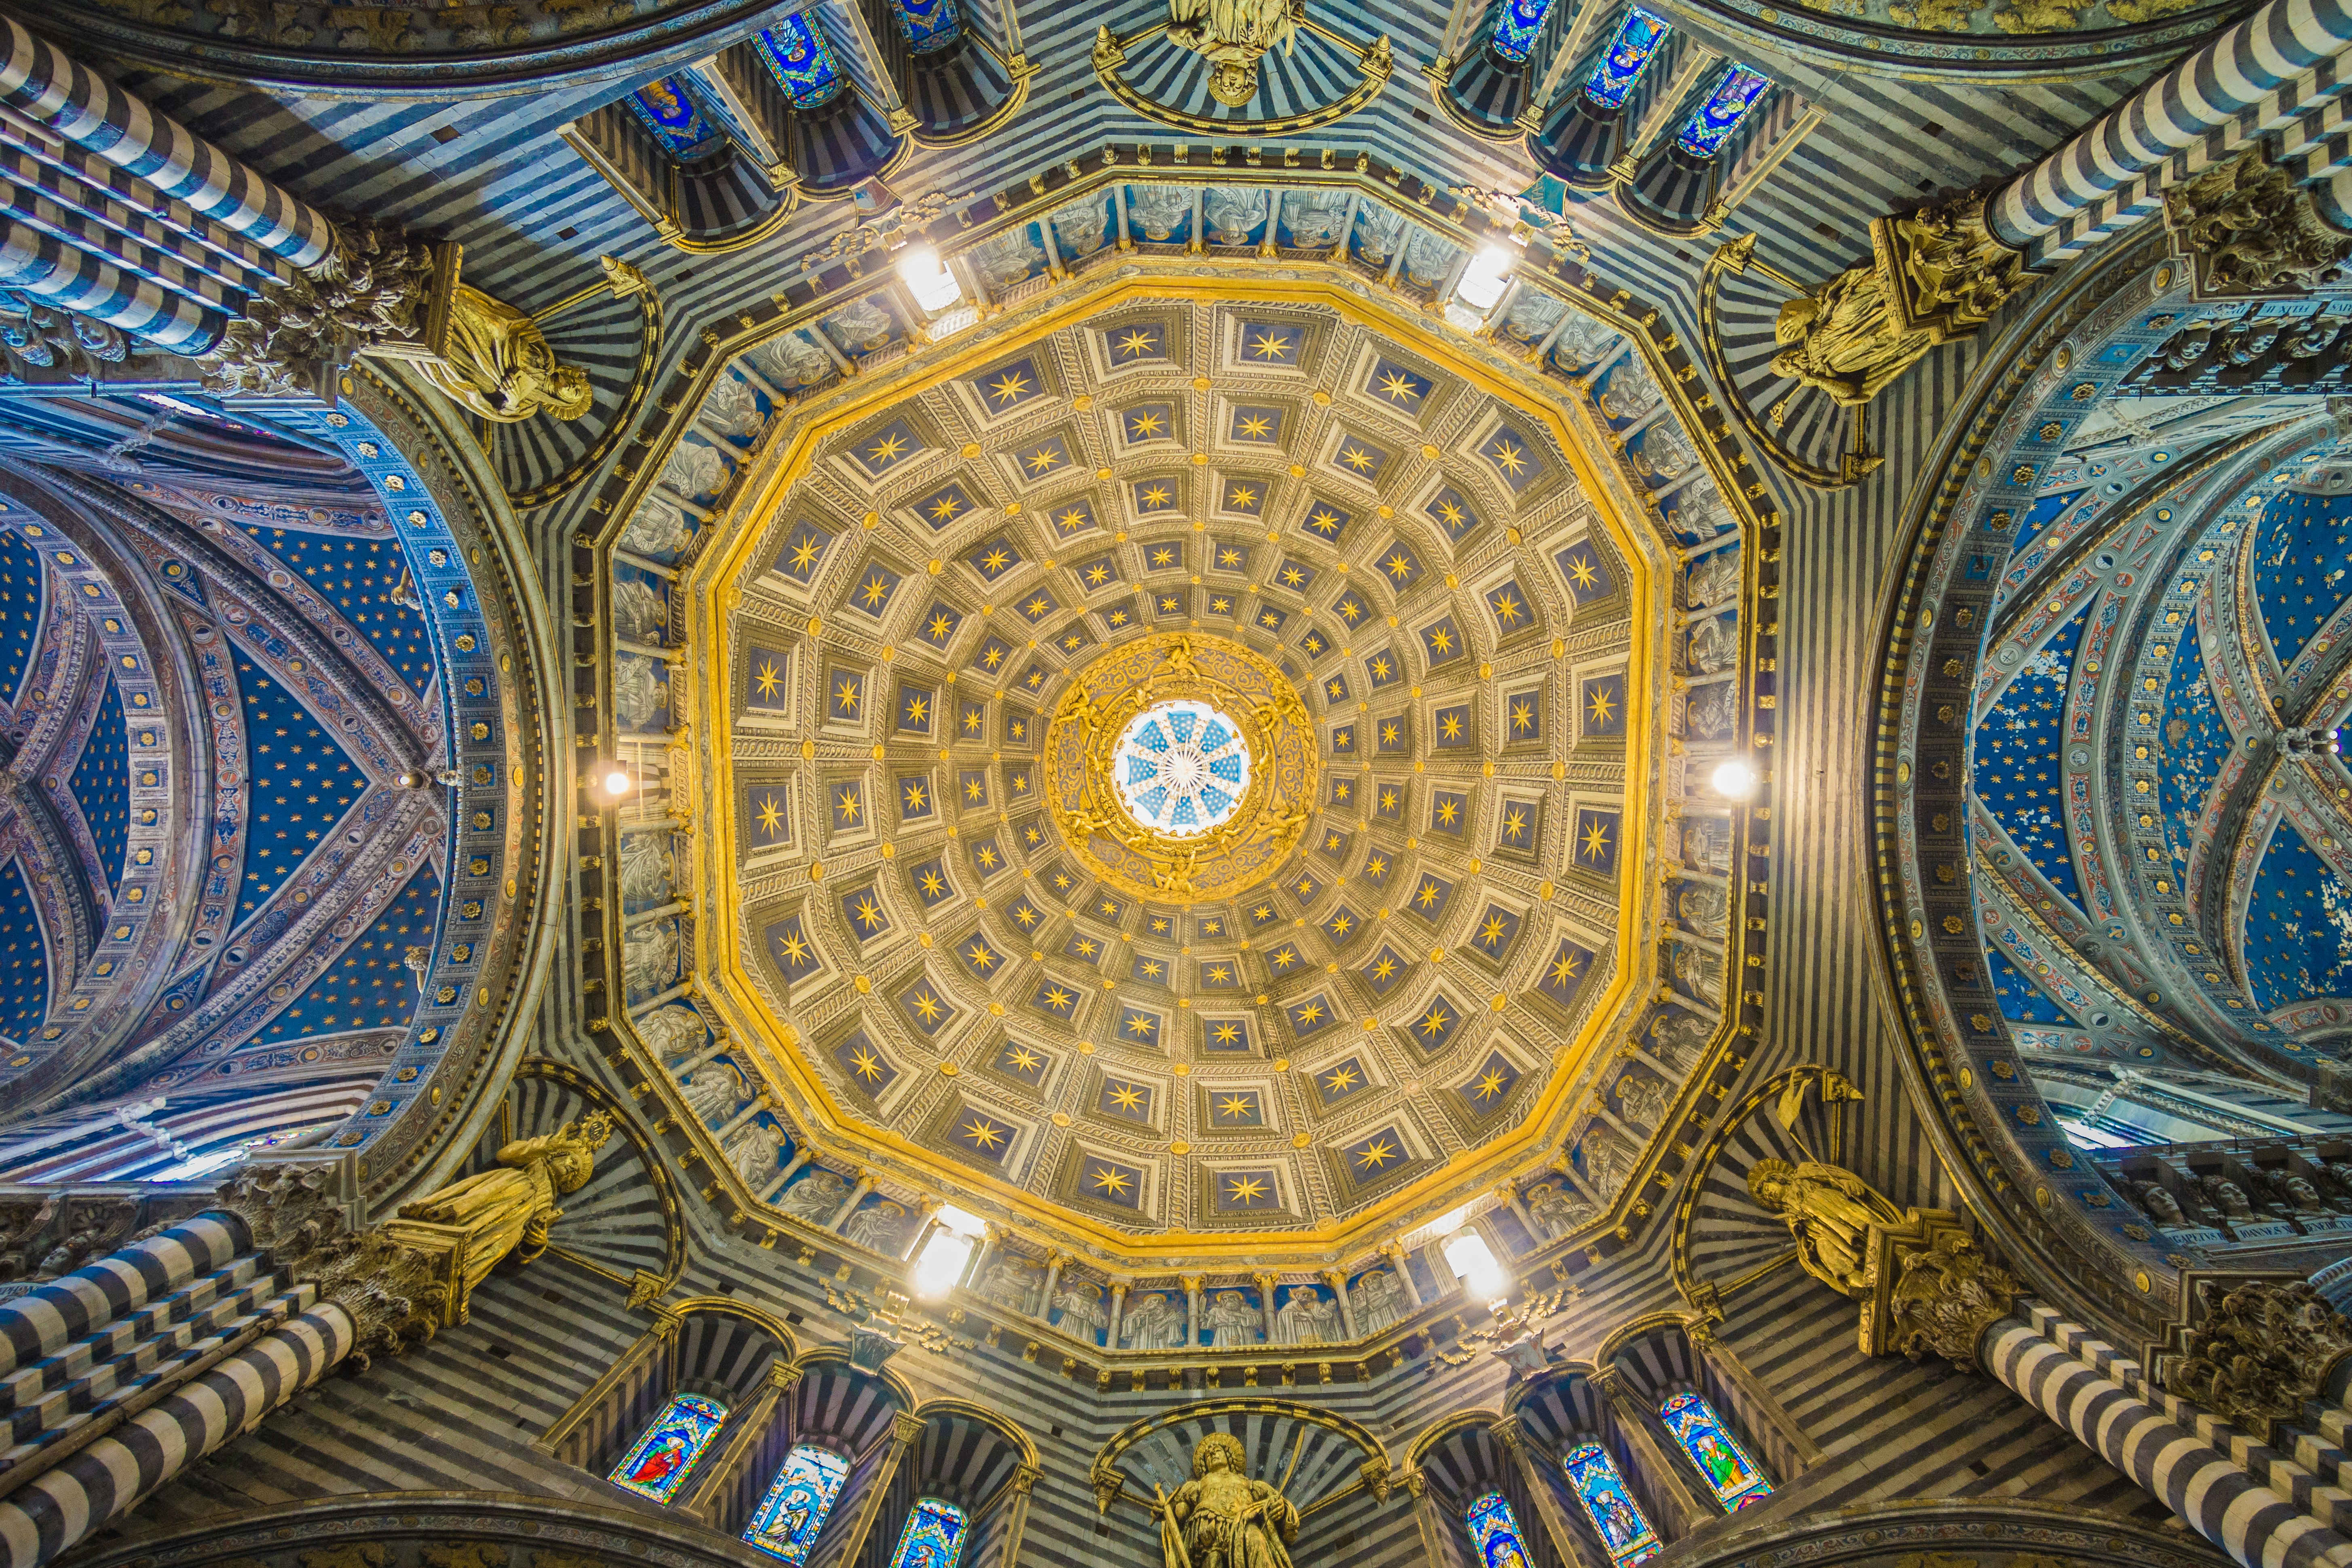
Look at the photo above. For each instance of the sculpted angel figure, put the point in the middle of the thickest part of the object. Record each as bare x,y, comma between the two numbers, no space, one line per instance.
510,1207
501,367
1232,34
1830,1211
1221,1519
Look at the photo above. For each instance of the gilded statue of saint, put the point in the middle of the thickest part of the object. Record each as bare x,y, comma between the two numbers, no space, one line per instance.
509,1208
1233,35
1843,338
1830,1211
1221,1519
499,366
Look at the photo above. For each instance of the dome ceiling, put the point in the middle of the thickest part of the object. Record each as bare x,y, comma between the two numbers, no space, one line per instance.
928,643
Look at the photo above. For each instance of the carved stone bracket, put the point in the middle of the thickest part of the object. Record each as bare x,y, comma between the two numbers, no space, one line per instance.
1947,1295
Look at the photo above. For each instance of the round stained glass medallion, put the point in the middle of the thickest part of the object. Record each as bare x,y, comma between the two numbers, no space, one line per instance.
1181,767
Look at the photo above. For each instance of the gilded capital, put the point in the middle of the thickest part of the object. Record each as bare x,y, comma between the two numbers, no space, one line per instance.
784,1376
2261,1353
906,1427
1948,1294
2252,229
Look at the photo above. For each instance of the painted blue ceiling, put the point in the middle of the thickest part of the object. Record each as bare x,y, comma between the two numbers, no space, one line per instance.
2301,566
2021,1001
2196,741
369,987
302,781
357,576
2045,510
23,958
2299,926
20,611
101,787
2016,773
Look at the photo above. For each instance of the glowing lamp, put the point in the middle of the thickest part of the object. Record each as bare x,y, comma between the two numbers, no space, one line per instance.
941,1262
1482,284
934,286
1473,1262
616,781
1735,779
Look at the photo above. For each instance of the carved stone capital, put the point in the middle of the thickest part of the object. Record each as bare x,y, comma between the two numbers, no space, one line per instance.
784,1376
396,1294
1025,1479
905,1428
1946,1296
2251,229
1509,1432
2260,1352
376,289
1374,1472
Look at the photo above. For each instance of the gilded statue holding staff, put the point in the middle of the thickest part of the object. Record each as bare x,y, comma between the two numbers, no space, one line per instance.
1220,1518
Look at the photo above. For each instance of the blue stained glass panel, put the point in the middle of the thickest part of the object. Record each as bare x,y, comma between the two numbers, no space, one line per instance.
1494,1531
658,1464
1610,1504
1719,1457
929,26
1637,43
670,115
1515,26
802,61
792,1515
933,1537
1703,133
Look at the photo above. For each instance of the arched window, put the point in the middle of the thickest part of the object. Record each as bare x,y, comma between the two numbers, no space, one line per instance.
1610,1504
802,61
1703,134
1734,1475
664,109
1639,38
657,1465
933,1537
793,1514
1494,1531
1517,23
928,25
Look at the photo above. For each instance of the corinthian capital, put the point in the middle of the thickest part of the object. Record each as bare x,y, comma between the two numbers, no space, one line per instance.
2262,1353
1949,1294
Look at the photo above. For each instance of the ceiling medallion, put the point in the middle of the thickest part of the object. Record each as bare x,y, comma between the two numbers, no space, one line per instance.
1181,766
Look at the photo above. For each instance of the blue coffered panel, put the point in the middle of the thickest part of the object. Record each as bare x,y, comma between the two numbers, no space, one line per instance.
302,783
2018,774
2299,926
2301,559
101,787
358,576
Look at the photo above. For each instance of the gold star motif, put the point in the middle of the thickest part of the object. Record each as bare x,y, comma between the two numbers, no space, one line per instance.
1399,387
928,1008
1340,924
1243,496
1447,811
1227,1034
1596,839
1043,458
865,1065
1508,457
1523,716
1244,1190
1056,998
978,956
877,588
1271,345
933,884
944,509
795,950
1491,1084
803,552
1492,931
1376,1154
770,816
1145,427
846,803
846,697
1506,609
1097,575
1155,498
1164,556
987,858
1111,1180
1236,1106
1020,1059
1357,457
1580,569
1126,1098
1139,342
1434,1021
869,915
1312,1013
1600,706
983,1132
917,798
1009,386
1384,968
1564,970
769,678
917,710
1256,427
1428,895
1449,515
887,449
1514,823
1140,1024
1441,640
1452,727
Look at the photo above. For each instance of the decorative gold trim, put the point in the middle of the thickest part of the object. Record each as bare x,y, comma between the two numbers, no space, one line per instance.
1375,64
1080,758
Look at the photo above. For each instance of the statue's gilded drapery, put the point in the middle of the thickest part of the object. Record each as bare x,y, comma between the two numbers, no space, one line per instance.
1221,1519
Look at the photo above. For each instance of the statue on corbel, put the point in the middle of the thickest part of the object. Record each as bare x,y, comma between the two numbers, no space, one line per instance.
385,293
1924,1284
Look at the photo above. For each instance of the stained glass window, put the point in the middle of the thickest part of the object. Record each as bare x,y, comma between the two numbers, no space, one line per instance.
802,61
1610,1504
1719,1457
1515,26
1494,1531
929,26
793,1514
1703,133
670,115
659,1462
933,1537
1639,38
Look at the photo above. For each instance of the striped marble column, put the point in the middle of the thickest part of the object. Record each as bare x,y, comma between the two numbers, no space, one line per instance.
2065,201
2264,1508
40,82
117,1376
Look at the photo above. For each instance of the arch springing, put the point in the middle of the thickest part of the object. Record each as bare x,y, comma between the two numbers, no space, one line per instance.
933,1537
1494,1531
657,1465
1735,1479
793,1514
1609,1503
